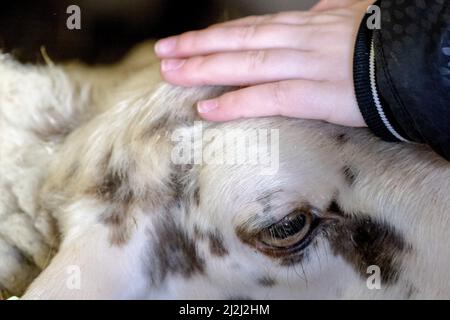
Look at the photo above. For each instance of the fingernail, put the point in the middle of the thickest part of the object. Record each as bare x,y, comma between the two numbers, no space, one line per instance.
207,106
166,46
172,64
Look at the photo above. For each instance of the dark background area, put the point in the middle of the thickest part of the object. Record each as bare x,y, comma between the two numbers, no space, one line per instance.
110,27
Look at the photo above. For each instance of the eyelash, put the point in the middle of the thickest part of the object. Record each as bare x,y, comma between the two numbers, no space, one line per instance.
301,244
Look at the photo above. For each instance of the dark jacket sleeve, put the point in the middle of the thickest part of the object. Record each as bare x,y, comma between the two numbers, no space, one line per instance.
402,72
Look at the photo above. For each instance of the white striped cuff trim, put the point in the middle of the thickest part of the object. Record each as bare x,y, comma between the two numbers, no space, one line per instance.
376,98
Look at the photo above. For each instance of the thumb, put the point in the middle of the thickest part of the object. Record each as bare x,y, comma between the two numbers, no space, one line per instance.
324,5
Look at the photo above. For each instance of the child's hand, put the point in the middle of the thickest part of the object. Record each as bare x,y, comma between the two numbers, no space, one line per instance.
296,64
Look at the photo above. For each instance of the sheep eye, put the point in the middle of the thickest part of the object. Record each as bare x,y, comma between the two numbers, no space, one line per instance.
288,232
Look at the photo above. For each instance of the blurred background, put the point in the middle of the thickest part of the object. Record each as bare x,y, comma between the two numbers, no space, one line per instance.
109,28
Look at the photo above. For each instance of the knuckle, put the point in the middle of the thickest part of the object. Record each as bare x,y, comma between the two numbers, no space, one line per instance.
255,59
279,96
307,18
255,19
246,34
284,16
268,18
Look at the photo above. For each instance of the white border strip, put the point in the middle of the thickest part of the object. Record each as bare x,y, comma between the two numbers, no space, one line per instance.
376,98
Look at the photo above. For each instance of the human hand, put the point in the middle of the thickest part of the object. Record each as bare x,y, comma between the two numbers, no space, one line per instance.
295,64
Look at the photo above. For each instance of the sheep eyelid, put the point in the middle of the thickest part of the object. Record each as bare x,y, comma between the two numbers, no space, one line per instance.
272,236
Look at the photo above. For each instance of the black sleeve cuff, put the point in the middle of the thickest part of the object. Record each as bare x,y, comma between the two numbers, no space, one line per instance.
377,116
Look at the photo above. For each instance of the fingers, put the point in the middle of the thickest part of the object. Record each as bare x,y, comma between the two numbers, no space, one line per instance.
294,98
298,64
254,37
243,68
326,101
